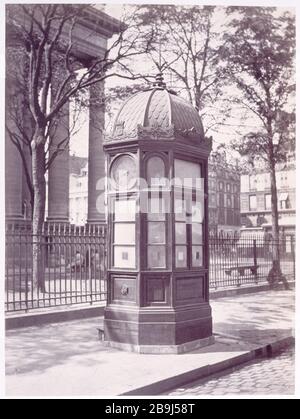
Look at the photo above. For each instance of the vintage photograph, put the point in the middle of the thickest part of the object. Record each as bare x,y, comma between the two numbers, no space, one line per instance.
150,202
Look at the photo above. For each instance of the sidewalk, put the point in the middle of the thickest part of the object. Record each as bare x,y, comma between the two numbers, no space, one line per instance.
67,359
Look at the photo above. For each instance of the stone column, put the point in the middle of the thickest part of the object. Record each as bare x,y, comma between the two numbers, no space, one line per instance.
58,184
96,171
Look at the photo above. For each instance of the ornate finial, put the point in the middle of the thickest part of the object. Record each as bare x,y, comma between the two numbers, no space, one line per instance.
159,81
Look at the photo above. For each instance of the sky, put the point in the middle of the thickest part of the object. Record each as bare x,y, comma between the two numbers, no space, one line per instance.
78,144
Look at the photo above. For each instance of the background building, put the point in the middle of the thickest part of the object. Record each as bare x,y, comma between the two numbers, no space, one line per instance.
78,197
91,42
224,195
256,201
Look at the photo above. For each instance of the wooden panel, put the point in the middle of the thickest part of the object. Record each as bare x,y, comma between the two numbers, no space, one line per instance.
156,290
189,289
124,289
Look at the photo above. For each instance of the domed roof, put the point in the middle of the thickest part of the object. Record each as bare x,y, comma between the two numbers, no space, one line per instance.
160,109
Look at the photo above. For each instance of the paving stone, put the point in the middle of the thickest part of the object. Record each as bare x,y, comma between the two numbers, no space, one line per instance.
263,377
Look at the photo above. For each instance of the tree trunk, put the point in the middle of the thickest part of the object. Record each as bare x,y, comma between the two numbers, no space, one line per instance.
39,187
275,275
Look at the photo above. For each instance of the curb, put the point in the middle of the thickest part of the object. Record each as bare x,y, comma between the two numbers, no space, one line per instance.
59,316
168,384
243,290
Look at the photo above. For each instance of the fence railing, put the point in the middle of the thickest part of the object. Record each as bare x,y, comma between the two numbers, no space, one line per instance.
75,272
73,265
240,261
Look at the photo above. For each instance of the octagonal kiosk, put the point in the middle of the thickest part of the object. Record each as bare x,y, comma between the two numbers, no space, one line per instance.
158,285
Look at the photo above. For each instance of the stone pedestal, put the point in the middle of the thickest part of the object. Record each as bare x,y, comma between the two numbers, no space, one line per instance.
157,331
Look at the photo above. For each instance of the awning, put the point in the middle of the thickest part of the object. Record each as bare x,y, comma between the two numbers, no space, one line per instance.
283,196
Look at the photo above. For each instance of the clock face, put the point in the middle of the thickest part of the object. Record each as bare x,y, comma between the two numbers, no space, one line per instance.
123,172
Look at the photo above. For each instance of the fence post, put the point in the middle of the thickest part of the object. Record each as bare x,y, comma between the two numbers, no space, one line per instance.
255,261
293,256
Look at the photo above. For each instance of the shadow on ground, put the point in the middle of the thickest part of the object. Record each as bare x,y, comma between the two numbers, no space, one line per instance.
39,348
240,324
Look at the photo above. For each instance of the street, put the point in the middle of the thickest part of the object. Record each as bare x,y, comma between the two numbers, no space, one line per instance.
67,358
272,376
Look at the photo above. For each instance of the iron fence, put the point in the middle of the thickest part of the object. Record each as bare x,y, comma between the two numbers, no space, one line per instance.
75,272
73,265
242,261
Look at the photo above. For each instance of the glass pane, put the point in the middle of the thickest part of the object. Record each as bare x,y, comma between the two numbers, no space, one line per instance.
180,233
155,171
124,257
125,210
123,172
186,173
181,257
197,256
156,257
124,233
156,233
198,211
197,232
180,209
156,209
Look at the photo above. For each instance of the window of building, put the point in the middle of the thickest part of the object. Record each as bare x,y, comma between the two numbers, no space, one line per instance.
245,183
253,182
267,180
268,203
236,202
283,201
212,184
283,205
221,200
252,202
212,199
221,186
228,187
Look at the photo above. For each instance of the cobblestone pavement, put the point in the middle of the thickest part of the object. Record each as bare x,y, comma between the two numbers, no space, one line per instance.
273,376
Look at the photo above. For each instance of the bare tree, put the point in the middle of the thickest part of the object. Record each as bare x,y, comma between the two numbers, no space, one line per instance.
52,74
260,51
186,43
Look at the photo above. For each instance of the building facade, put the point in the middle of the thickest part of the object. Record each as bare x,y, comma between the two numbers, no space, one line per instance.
256,201
91,35
224,196
79,189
